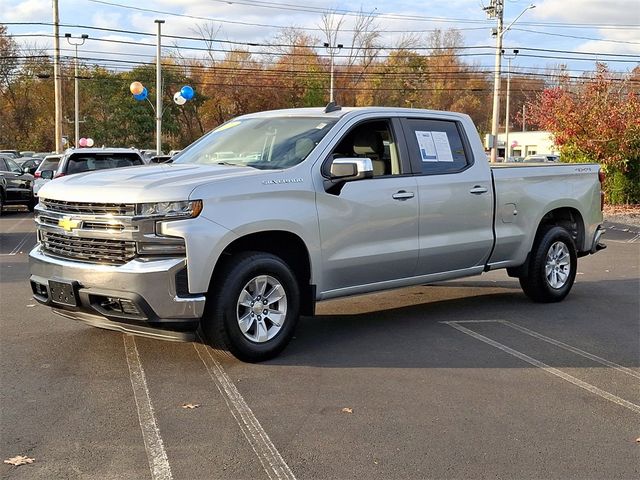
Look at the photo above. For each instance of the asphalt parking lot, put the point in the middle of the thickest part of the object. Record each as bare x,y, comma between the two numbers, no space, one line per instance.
464,379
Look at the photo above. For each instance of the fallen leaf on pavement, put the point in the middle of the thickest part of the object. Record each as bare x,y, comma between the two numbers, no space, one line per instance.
19,460
31,305
347,410
190,405
638,439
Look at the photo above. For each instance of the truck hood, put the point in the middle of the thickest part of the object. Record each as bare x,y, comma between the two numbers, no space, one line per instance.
157,183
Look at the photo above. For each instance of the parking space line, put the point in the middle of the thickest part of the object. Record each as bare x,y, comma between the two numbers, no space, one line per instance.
554,371
570,348
17,247
17,224
272,462
156,454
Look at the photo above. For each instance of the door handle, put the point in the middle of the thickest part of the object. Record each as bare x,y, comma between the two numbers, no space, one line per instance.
477,190
402,195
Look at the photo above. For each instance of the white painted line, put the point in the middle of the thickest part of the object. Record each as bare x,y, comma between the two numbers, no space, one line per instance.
156,455
572,349
554,371
272,462
17,247
634,239
18,223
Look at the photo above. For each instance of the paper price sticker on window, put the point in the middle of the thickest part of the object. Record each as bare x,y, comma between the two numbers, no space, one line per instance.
434,146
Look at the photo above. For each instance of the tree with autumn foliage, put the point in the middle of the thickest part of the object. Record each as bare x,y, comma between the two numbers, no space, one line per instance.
597,119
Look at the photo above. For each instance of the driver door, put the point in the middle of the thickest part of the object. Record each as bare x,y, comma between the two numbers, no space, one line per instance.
369,229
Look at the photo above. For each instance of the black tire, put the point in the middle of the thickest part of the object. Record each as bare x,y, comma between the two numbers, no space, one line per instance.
32,204
223,311
550,274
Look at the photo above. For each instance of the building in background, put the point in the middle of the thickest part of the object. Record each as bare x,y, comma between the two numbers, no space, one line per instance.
526,143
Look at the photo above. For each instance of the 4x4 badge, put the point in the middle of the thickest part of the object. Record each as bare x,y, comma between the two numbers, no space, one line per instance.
68,224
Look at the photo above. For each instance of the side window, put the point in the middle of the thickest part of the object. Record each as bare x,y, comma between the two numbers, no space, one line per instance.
373,140
3,166
435,146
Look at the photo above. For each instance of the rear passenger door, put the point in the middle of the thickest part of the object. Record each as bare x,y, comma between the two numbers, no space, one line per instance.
454,195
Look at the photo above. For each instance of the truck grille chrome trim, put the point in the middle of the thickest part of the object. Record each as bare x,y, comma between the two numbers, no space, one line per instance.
117,209
95,250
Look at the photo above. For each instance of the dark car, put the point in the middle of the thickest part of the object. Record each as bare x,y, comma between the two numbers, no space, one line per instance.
29,165
161,159
16,186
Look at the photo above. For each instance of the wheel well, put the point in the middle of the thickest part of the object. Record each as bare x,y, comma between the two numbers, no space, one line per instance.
566,217
570,219
285,245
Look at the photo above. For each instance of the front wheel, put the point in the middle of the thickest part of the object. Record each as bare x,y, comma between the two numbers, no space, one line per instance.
253,307
552,266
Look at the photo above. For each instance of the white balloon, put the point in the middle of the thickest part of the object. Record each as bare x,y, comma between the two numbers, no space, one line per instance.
89,142
179,99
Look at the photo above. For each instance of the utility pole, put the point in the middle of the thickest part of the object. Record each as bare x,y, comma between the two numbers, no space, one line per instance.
159,90
496,10
57,79
332,51
509,57
83,37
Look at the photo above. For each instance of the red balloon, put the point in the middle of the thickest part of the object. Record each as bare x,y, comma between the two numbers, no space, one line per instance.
82,142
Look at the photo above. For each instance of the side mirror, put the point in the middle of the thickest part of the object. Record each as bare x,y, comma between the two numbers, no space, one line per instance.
344,170
46,174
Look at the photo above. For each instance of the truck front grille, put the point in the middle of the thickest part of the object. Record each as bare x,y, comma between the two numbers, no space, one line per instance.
94,250
118,209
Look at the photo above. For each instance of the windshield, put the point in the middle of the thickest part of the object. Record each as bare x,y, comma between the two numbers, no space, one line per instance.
264,143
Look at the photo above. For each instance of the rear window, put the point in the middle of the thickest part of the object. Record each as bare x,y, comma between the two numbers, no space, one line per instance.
49,163
87,162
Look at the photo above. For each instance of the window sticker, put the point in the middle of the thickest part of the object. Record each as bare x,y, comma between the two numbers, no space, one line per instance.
443,148
225,126
434,146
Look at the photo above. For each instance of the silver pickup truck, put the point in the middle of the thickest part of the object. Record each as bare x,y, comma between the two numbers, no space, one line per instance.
271,212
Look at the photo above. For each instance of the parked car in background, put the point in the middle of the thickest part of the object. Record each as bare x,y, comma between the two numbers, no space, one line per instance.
161,159
16,187
84,160
27,153
10,153
174,152
147,154
547,157
29,164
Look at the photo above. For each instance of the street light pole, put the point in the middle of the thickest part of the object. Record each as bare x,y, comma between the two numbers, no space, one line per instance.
158,90
83,37
507,147
332,51
496,9
57,78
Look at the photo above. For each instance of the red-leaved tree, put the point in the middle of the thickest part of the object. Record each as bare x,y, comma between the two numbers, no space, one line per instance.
597,119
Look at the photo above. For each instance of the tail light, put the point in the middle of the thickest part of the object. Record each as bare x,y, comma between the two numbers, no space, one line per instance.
601,178
36,175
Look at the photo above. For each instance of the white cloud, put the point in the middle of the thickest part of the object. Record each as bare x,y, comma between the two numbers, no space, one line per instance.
27,11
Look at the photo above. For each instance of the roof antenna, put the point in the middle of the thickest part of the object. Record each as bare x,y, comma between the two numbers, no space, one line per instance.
332,107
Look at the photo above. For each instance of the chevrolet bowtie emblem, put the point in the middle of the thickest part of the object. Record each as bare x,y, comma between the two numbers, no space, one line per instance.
68,224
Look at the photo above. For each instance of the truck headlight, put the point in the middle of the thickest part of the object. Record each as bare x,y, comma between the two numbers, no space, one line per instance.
185,209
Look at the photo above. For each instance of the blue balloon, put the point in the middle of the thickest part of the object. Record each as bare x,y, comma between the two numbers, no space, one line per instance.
142,95
187,92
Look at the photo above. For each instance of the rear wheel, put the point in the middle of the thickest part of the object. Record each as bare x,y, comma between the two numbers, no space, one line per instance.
253,307
552,266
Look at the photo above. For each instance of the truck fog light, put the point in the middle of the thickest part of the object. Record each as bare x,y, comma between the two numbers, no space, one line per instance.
162,248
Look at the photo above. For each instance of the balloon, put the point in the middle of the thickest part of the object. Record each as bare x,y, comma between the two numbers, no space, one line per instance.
142,95
89,142
82,142
187,92
179,99
136,88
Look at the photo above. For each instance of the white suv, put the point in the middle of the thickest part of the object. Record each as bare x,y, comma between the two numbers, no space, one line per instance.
84,160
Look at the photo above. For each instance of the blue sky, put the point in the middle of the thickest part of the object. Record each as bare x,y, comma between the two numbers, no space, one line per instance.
605,30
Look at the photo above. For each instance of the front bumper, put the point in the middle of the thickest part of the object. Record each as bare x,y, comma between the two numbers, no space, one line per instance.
140,296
